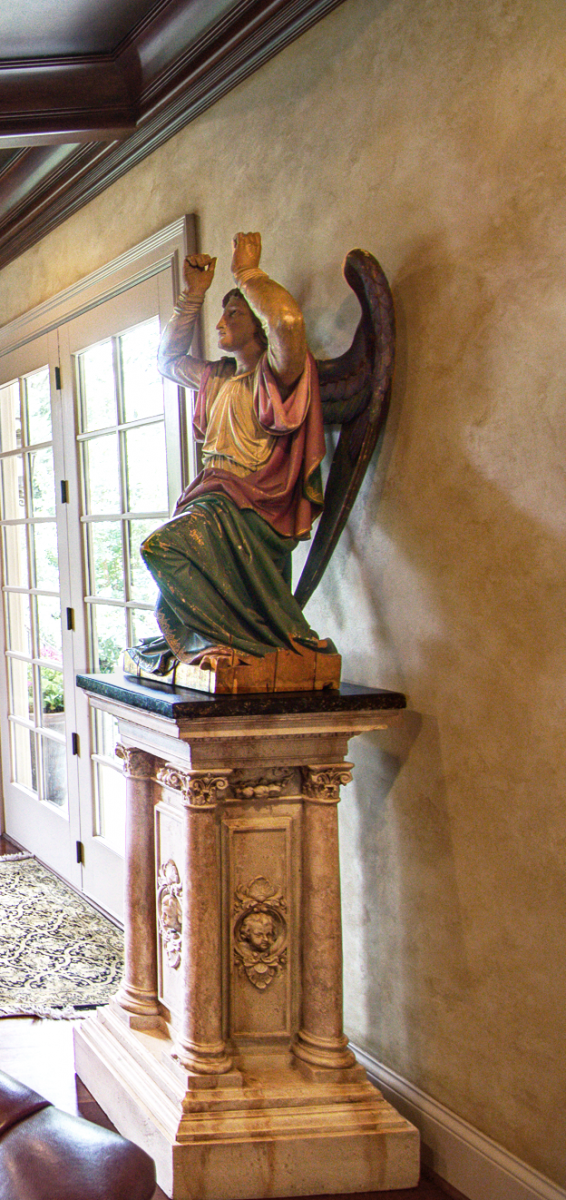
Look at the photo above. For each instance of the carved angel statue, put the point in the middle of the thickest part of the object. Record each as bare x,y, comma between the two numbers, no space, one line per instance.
223,563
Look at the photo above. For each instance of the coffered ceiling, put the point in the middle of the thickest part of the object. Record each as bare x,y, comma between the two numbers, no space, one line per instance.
89,87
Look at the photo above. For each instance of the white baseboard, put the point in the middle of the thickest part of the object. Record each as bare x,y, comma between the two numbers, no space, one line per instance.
468,1160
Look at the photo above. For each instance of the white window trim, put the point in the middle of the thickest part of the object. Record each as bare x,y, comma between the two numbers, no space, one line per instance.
167,248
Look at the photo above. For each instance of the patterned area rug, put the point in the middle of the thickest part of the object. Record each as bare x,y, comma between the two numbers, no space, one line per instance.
58,955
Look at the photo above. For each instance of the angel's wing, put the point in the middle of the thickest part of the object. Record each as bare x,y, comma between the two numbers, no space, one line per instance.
355,390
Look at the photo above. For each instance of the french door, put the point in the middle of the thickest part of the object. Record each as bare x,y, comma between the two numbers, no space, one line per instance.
123,452
38,718
90,463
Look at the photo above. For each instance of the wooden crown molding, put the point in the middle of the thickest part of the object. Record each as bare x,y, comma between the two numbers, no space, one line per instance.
159,79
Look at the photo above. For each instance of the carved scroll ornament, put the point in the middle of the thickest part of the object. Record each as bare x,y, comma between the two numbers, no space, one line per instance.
249,785
199,789
169,911
323,783
136,764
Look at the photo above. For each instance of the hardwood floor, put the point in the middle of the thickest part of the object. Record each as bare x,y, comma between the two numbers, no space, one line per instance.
7,847
40,1054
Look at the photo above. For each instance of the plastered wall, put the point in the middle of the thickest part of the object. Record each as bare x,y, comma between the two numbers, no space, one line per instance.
433,134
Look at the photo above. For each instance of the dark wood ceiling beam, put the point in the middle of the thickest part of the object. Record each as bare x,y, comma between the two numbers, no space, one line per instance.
169,97
167,52
34,180
64,100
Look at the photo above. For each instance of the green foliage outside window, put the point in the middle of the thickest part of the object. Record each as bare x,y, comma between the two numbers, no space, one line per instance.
52,691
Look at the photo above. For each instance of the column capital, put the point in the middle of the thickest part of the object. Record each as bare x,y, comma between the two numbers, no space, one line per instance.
322,781
136,764
199,789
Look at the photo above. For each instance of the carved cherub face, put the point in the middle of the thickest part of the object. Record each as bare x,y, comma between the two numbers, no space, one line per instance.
258,929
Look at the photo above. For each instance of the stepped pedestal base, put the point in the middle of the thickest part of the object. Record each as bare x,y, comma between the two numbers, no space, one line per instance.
263,1131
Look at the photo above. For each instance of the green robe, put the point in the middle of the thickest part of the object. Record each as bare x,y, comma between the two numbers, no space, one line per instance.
224,576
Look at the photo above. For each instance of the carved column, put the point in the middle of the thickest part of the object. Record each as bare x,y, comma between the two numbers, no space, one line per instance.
320,1041
199,1042
138,992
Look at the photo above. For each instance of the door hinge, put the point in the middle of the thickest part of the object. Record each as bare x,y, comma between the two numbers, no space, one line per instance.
58,378
70,618
64,491
80,854
75,743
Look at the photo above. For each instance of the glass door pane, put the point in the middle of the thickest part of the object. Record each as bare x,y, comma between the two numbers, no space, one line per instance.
124,482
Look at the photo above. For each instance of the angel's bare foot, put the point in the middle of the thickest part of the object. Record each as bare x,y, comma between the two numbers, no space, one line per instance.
211,655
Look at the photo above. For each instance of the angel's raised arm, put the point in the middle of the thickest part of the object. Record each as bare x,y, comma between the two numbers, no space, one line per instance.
279,314
173,358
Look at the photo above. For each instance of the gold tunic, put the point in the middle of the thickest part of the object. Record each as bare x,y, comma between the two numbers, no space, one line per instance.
234,439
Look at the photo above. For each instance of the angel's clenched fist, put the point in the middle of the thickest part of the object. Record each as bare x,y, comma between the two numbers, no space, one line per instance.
198,270
246,249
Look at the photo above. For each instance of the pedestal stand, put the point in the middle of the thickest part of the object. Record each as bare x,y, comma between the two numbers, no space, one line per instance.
224,1054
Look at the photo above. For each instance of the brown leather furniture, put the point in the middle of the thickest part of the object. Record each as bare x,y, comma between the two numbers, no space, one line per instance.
46,1154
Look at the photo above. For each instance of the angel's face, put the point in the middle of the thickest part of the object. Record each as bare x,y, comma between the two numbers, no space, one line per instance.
236,327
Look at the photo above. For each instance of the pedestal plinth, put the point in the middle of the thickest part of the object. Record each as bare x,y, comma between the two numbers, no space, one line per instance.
223,1054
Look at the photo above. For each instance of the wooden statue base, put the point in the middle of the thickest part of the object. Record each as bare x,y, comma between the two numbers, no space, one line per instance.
281,671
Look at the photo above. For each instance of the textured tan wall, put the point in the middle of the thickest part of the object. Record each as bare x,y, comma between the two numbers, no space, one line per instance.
434,135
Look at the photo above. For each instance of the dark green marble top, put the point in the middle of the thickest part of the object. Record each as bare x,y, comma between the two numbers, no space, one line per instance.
177,703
